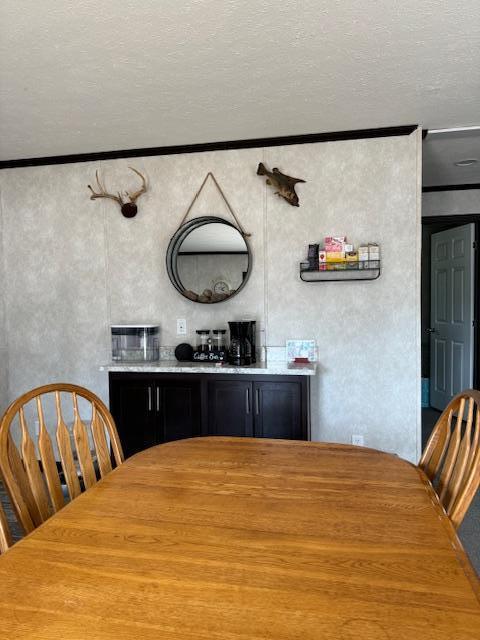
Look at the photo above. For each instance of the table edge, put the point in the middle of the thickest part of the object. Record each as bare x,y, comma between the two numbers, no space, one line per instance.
460,552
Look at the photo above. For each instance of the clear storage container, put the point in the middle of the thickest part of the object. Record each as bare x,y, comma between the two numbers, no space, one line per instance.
135,343
203,340
219,339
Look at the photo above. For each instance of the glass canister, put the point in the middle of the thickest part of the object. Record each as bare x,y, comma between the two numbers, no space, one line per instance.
203,340
135,343
219,339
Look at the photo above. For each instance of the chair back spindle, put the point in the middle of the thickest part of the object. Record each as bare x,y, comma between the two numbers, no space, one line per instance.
33,473
451,459
66,453
5,538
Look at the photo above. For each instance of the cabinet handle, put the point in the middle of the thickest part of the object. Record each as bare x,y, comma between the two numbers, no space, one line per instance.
247,400
257,401
149,398
158,398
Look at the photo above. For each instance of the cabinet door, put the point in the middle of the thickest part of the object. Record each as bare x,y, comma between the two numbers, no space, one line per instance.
179,409
278,410
230,408
133,409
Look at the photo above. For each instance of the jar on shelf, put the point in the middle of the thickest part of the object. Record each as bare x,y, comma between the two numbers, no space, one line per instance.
219,339
203,340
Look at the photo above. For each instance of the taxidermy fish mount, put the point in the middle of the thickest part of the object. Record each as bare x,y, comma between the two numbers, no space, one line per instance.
285,185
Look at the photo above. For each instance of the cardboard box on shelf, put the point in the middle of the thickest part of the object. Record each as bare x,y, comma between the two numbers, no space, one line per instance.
335,260
363,252
351,259
363,257
373,251
335,256
334,243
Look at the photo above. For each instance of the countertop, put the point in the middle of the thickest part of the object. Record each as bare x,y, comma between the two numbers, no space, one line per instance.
172,366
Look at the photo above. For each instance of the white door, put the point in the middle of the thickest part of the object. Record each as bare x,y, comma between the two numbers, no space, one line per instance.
451,313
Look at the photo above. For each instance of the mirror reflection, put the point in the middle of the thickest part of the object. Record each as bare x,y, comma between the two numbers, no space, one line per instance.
208,260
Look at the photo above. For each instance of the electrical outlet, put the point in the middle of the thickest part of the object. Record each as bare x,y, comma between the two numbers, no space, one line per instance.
181,327
357,440
37,428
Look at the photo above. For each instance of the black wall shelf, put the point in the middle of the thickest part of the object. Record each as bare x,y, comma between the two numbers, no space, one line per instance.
342,272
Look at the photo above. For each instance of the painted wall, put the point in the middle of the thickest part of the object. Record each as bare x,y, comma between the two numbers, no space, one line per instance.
74,266
449,203
3,345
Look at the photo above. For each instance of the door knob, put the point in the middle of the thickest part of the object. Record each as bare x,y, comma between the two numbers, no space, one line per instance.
431,330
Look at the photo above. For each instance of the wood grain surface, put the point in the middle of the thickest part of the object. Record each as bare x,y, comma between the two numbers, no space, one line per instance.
245,539
34,485
5,536
453,454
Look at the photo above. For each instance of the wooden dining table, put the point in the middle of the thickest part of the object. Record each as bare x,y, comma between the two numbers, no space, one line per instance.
245,539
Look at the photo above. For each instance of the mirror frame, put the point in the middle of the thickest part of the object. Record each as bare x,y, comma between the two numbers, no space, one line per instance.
176,242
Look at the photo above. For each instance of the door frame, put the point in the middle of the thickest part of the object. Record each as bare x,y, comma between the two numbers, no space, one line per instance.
451,221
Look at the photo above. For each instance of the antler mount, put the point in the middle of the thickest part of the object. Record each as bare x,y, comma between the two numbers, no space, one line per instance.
128,207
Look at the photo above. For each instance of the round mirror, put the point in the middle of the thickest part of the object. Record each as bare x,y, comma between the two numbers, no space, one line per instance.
208,260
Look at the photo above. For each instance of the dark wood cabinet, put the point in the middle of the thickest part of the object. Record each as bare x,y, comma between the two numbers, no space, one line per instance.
151,408
229,408
131,402
179,409
278,410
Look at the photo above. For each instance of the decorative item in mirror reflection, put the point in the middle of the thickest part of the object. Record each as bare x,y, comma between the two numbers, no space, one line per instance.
284,185
127,207
208,260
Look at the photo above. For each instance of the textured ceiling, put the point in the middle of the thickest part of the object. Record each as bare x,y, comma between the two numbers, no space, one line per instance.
89,76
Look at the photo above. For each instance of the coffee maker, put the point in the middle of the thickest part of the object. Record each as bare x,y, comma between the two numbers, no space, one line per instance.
241,352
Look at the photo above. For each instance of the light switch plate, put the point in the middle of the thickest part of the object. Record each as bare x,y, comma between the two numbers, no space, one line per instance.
181,327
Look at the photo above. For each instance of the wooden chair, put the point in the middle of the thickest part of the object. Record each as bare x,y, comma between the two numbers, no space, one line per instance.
451,459
33,479
5,538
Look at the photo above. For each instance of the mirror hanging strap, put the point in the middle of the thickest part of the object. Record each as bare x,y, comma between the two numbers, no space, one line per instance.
210,175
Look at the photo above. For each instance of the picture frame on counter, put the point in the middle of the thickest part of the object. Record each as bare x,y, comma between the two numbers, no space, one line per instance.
295,349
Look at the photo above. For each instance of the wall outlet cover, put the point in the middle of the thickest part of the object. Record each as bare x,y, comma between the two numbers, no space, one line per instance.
358,440
181,327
